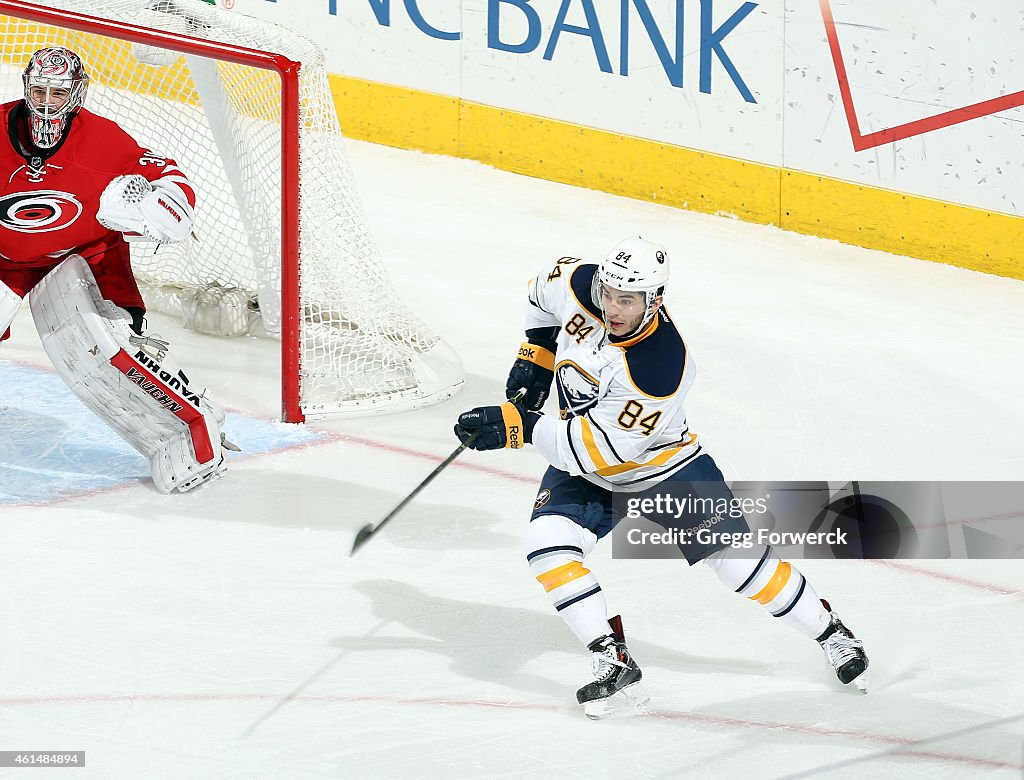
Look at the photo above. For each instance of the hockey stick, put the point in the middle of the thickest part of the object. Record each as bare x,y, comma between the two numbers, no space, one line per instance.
367,531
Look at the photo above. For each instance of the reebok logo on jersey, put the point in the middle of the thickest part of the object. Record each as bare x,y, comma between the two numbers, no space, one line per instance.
41,211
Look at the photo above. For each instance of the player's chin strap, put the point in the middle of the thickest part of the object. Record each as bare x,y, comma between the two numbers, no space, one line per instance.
608,338
127,380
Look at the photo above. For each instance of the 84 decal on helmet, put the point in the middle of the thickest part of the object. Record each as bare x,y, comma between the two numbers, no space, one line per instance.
41,211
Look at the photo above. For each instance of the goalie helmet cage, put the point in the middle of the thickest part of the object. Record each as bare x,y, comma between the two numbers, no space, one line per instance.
278,216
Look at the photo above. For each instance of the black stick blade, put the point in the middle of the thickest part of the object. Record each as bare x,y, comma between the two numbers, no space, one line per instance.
362,537
367,531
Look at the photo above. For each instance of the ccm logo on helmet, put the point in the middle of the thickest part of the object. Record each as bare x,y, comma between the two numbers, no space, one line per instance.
41,211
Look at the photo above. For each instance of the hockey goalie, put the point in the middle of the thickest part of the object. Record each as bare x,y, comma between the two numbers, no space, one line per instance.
75,188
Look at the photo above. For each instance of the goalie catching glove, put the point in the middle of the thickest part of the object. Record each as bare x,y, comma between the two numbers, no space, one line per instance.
132,205
493,427
534,368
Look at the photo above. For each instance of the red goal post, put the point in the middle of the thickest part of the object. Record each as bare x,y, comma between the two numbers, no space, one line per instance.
337,357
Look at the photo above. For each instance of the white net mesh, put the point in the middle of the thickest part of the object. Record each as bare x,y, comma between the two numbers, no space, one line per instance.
361,349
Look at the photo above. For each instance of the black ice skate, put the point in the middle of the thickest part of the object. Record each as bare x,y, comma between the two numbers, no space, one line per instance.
614,671
844,652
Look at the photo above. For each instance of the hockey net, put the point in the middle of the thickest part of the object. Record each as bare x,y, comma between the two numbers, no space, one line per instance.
281,243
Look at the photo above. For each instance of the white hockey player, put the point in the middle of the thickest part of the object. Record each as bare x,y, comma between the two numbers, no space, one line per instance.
622,372
73,187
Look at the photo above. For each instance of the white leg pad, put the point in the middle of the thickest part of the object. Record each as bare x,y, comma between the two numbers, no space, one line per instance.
143,399
10,302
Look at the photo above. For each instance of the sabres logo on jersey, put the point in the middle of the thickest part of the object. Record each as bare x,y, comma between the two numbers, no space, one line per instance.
41,211
577,390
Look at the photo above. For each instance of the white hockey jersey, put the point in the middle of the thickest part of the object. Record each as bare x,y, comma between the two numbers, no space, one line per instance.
622,423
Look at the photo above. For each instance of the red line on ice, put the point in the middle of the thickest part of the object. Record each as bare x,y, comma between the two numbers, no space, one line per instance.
954,578
331,438
675,715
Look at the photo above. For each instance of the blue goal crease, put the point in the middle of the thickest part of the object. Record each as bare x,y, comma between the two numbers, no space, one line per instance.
51,446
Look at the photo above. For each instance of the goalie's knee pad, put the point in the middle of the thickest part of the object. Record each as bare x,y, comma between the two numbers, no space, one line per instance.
10,302
126,380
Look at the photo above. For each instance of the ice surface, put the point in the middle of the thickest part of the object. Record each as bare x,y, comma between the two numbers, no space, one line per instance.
226,633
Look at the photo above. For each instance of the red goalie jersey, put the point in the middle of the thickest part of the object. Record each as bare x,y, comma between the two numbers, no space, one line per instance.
49,199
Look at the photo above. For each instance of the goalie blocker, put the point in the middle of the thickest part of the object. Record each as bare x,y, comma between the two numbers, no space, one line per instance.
141,395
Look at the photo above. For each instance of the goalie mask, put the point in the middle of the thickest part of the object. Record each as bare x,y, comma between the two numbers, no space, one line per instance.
55,86
633,265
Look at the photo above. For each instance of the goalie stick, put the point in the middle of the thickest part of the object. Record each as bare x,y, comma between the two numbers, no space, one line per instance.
367,532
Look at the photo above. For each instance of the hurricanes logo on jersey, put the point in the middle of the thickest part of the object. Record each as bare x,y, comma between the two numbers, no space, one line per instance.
41,211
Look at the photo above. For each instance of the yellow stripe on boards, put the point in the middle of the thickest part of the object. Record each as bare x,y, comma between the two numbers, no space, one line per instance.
555,150
684,178
619,164
905,224
396,116
557,577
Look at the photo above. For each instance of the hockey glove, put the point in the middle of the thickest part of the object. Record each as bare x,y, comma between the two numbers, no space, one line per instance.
166,215
494,427
534,368
119,204
132,205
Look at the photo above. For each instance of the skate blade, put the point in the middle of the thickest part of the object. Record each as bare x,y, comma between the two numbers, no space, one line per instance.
629,702
862,681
